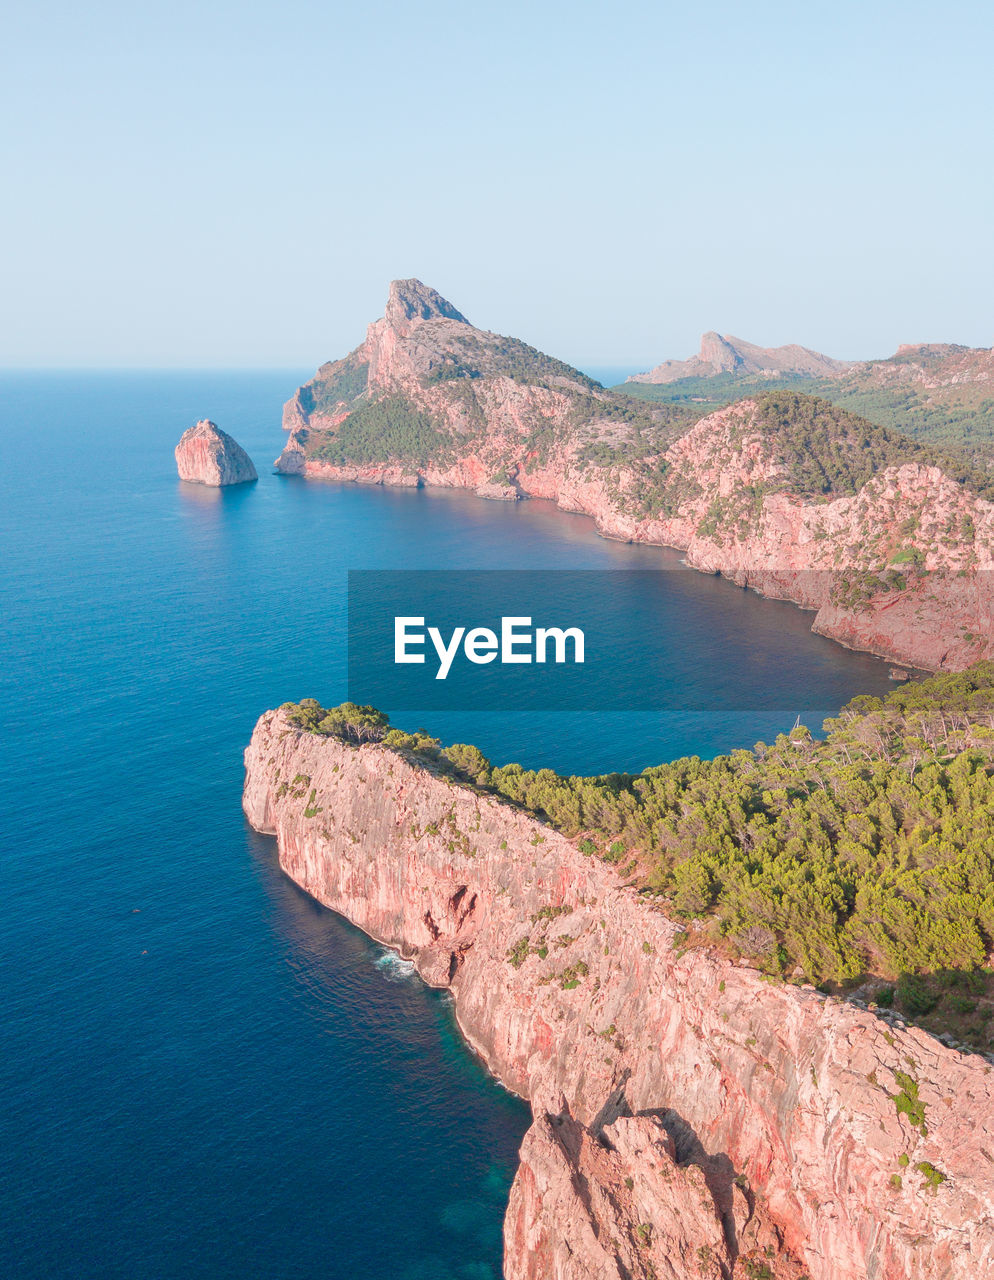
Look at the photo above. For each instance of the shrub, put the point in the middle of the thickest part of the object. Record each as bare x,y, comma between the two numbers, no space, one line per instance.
914,995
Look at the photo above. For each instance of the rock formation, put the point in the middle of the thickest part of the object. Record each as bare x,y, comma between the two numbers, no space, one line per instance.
898,562
721,353
691,1121
207,455
932,366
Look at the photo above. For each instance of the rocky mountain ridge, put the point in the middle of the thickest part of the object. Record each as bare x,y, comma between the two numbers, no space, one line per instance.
882,538
692,1120
941,392
723,354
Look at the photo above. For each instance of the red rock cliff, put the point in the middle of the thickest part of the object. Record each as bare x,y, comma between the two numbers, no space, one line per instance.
691,1120
514,423
207,455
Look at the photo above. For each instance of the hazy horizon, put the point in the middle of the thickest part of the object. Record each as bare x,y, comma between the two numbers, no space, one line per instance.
217,187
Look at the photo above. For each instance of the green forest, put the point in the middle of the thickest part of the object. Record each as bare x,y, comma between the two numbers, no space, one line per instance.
388,430
868,853
959,419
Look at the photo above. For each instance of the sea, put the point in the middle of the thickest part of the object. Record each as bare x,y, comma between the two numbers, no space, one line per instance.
204,1073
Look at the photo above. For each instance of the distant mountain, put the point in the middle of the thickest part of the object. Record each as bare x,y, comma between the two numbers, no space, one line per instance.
723,354
937,391
941,392
890,541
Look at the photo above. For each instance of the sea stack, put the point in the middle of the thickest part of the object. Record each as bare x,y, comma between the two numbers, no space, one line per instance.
207,455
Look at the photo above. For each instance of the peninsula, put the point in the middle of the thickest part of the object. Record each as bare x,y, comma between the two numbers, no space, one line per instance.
888,540
700,1112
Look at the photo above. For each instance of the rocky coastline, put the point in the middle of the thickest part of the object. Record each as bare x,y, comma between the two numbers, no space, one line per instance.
896,559
691,1120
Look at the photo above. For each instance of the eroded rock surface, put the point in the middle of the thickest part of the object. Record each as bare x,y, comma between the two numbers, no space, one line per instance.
902,566
207,455
768,1127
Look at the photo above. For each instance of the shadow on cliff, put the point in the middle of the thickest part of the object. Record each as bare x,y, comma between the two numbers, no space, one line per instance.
718,1170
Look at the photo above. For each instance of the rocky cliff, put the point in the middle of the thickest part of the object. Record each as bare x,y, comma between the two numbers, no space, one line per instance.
878,535
723,354
207,455
691,1120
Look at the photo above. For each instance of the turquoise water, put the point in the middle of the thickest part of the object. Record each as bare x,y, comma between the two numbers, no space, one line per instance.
204,1073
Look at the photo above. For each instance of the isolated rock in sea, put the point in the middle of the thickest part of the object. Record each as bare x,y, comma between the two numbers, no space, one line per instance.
207,455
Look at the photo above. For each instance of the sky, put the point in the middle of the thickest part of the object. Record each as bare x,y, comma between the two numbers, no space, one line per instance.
235,184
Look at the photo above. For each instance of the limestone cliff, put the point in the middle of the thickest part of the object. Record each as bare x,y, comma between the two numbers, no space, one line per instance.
691,1121
790,496
207,455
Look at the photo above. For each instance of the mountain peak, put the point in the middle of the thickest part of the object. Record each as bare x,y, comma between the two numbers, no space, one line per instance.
411,300
721,353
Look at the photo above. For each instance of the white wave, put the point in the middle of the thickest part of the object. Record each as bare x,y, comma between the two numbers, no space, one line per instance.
395,967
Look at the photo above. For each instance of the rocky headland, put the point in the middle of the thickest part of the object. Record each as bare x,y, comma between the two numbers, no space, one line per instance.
890,543
692,1120
207,455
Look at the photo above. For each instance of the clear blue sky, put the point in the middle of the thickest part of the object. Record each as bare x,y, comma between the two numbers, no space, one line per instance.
215,183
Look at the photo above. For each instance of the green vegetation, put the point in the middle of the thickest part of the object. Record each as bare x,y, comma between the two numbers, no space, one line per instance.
756,1270
829,451
934,1177
388,430
907,1101
708,394
516,359
958,418
816,450
825,449
349,721
344,382
449,371
868,853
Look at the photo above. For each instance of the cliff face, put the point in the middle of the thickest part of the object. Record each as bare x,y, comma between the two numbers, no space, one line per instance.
691,1120
207,455
721,353
728,504
898,564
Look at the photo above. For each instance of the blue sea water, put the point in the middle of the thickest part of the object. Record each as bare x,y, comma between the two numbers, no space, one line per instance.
205,1074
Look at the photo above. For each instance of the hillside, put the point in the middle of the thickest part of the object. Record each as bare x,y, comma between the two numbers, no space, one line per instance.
938,392
890,541
868,855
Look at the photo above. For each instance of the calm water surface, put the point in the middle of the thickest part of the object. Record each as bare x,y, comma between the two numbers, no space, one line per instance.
204,1073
